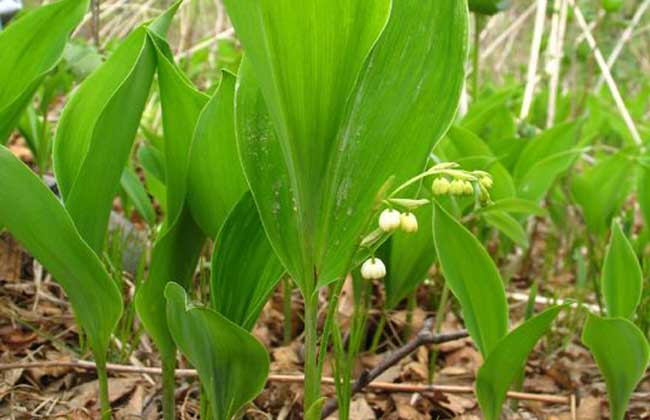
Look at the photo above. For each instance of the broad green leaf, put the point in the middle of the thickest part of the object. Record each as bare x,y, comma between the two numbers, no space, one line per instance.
309,136
138,196
216,180
471,152
621,352
515,205
29,49
245,269
477,286
410,258
95,126
30,211
152,161
545,158
479,116
508,360
232,364
622,279
179,245
508,225
601,190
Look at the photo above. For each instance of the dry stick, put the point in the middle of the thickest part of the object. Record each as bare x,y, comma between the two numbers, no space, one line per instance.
515,26
626,36
424,336
534,59
191,373
556,53
606,74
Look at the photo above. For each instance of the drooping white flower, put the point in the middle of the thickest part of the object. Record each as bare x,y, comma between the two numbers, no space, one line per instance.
389,220
373,269
409,223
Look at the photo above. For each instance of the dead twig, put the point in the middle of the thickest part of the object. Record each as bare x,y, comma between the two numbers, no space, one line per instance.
380,386
425,336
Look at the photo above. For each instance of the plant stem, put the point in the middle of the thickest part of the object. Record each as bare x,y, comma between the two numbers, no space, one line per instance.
168,387
378,332
312,372
476,57
442,307
102,378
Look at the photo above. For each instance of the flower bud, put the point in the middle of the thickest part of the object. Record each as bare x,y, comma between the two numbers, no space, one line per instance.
389,220
373,269
486,182
457,187
468,189
409,223
440,186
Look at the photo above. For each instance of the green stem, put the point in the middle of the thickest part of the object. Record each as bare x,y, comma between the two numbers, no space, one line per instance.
476,58
104,402
312,372
442,306
168,387
378,332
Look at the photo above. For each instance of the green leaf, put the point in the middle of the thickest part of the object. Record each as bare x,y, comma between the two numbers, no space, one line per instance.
508,360
311,114
216,180
545,158
137,194
29,49
622,280
232,364
245,269
411,257
30,211
477,286
601,190
94,126
621,352
508,225
515,205
177,250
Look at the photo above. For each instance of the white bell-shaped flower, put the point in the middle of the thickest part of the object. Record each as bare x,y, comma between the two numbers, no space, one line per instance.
409,223
373,269
389,220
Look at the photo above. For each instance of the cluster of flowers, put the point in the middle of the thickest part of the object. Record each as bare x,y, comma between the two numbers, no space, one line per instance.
449,181
442,186
390,220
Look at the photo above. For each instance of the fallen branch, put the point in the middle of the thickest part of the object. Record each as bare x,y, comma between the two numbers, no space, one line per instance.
425,336
282,378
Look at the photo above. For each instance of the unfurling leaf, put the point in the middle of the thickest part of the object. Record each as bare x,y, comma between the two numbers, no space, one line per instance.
95,136
176,251
622,279
232,364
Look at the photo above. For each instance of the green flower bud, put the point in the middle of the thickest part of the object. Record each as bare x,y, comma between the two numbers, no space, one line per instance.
440,186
